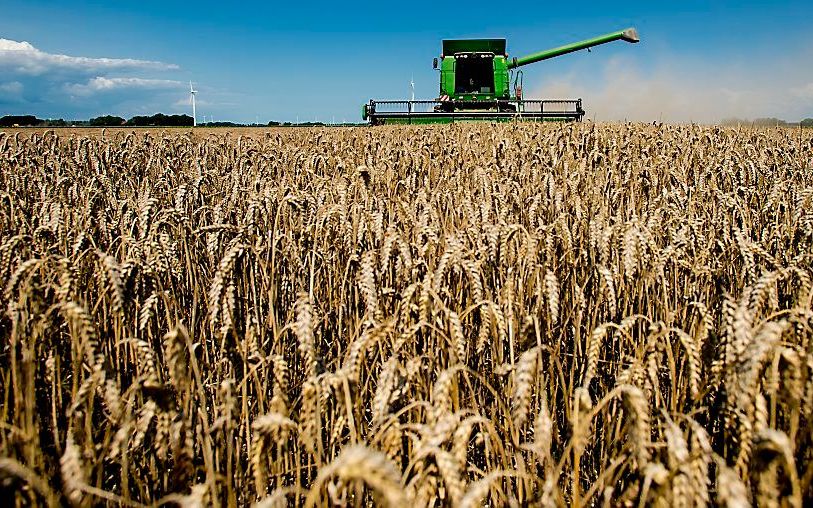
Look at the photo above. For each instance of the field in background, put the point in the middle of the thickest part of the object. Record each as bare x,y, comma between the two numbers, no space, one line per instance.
554,315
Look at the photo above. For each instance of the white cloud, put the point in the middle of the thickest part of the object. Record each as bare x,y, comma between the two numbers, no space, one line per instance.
24,58
33,81
11,88
101,84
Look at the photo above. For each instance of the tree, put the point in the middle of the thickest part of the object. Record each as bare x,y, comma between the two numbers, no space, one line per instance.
769,122
160,120
107,121
20,120
807,122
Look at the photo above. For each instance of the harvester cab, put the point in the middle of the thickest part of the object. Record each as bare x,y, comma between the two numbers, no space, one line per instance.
474,70
477,78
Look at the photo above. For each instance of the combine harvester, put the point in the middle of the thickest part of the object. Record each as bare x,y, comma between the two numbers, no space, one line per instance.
475,81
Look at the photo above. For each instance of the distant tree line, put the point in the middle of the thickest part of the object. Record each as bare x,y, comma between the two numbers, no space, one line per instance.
289,124
160,120
157,120
767,122
221,124
106,121
313,124
20,120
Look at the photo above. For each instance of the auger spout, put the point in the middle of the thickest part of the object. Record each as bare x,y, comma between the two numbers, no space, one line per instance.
628,35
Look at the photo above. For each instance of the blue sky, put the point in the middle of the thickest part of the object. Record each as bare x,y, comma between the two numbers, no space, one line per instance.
281,60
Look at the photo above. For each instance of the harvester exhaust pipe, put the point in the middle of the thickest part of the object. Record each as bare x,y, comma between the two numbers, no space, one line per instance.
628,35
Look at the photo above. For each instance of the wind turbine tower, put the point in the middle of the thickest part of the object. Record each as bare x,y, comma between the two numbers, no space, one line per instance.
192,93
412,86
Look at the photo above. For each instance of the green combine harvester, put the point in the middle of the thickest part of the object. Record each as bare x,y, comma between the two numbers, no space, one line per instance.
476,76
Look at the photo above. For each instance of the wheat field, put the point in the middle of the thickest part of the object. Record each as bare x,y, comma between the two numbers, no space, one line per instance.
514,315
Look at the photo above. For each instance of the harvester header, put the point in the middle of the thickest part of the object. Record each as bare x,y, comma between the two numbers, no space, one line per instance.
476,78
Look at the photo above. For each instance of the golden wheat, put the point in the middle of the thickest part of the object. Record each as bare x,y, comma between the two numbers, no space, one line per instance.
510,315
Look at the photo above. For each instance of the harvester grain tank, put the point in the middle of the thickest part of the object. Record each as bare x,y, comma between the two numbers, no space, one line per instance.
477,78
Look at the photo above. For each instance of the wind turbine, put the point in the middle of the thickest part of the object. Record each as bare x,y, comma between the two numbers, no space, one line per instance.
192,93
412,86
